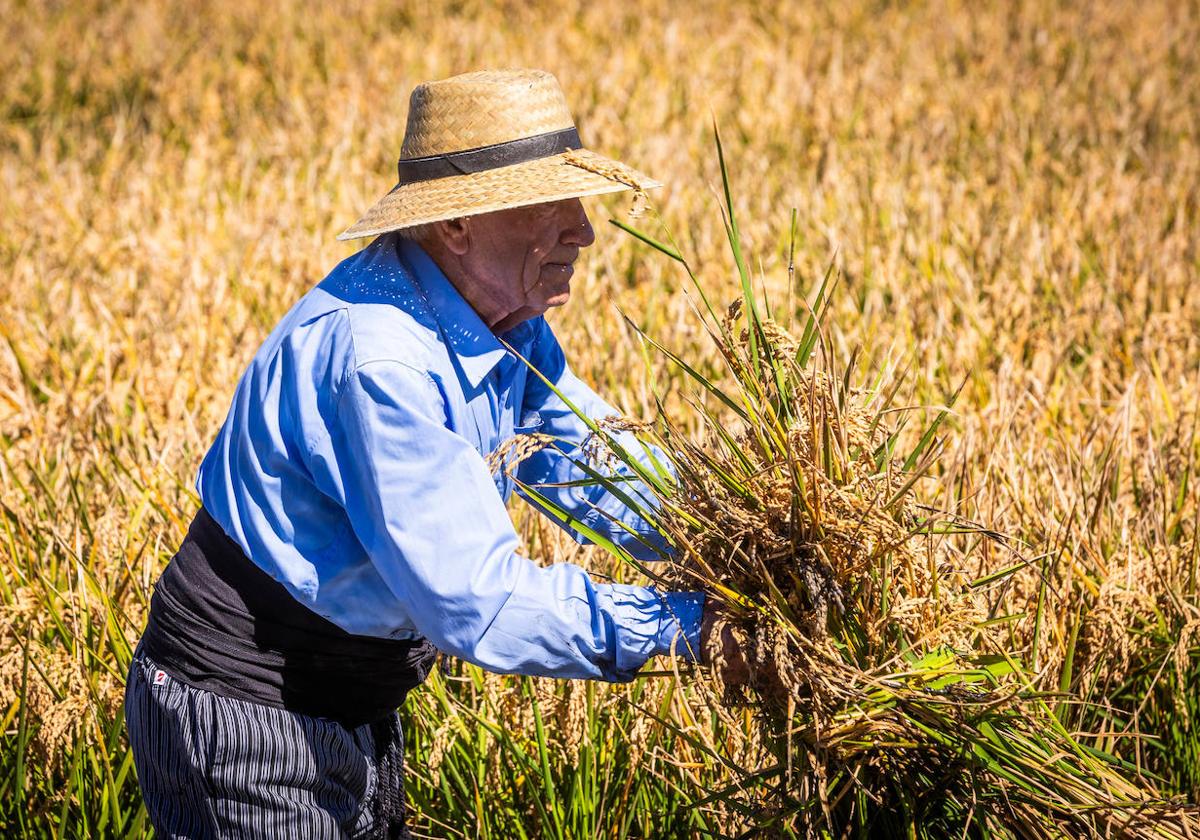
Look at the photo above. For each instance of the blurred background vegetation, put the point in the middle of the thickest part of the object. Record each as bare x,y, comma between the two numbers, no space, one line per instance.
1010,191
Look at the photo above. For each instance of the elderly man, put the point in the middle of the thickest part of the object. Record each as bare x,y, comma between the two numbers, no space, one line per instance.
350,528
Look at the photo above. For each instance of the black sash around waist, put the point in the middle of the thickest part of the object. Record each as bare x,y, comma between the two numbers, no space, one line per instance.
220,623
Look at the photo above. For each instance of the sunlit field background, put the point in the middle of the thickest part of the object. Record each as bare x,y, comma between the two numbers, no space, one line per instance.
1010,193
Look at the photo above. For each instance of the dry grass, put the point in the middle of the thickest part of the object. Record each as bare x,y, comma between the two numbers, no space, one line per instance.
1011,193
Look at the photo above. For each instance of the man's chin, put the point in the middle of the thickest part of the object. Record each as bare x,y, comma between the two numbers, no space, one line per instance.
558,299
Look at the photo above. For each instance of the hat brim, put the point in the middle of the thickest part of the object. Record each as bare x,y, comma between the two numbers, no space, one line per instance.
572,174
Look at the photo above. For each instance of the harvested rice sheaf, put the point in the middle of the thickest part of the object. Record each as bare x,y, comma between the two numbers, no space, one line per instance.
893,705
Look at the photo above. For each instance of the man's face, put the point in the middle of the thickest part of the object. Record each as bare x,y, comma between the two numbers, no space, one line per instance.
523,258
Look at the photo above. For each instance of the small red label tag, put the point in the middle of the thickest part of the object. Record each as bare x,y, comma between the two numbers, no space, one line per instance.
160,677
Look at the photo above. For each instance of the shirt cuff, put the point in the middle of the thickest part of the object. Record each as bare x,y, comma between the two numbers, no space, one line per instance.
650,623
680,627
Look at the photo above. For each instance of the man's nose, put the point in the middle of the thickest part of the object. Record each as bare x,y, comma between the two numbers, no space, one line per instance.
577,228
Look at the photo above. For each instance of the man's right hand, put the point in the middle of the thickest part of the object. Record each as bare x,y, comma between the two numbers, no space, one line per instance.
720,648
725,647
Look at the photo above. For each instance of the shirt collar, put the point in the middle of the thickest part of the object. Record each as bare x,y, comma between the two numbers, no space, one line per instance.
476,347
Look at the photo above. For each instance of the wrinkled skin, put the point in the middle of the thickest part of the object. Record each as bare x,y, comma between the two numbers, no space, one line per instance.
513,265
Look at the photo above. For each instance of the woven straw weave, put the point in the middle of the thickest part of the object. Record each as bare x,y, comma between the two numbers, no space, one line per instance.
480,109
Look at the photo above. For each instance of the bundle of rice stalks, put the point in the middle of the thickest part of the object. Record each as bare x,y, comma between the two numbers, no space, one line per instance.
877,669
891,698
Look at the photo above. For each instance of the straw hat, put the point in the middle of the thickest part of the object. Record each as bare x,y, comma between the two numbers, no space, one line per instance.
488,141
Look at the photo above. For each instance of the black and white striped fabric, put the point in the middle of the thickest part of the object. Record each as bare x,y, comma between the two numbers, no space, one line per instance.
219,767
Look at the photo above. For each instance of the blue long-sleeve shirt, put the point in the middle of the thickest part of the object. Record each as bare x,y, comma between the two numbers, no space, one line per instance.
351,469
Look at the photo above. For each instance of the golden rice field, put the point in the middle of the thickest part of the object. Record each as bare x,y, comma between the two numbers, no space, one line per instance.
1008,192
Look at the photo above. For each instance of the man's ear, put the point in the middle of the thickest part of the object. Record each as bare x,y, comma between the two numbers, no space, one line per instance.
455,235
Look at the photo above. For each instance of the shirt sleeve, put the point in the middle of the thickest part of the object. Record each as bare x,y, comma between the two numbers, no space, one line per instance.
424,506
555,471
